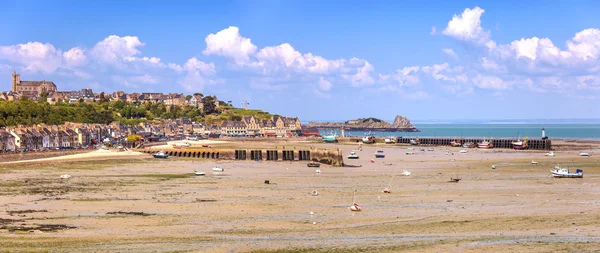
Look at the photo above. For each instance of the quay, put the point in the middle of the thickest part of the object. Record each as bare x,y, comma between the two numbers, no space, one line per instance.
327,156
535,144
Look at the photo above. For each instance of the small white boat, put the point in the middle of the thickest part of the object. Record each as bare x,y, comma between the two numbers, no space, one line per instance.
390,140
354,207
218,169
314,193
161,154
199,173
352,155
549,153
409,153
430,149
565,173
463,151
65,176
318,171
584,154
406,173
534,162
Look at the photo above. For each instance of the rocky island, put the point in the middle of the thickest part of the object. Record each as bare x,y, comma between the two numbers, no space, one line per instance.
401,124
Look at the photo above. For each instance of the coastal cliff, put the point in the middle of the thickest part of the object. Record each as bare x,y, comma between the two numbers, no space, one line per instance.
401,124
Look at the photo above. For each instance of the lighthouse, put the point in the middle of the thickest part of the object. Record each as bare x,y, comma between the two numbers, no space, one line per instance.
543,133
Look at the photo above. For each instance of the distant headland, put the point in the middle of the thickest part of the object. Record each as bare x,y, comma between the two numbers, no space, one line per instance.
401,124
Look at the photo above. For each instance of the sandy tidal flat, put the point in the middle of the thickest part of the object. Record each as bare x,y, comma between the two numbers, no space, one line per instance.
160,206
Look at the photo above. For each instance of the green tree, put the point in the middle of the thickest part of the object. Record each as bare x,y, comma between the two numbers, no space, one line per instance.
209,105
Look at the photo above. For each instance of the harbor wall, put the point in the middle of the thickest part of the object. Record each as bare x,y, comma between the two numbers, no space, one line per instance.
327,156
534,144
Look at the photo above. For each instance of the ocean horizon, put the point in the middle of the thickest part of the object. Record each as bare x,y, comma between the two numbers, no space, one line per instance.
584,131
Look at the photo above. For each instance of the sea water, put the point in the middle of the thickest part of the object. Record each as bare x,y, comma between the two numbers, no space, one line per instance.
554,131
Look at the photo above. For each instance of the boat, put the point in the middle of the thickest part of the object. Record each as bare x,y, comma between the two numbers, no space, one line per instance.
65,176
160,154
218,169
330,138
379,154
199,173
485,144
409,153
430,149
560,172
463,151
414,142
549,153
469,145
406,173
354,207
368,139
520,144
390,140
314,164
352,155
584,154
455,143
534,162
186,144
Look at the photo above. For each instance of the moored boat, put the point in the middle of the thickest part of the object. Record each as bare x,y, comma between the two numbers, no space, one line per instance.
314,164
485,144
352,155
561,172
160,154
330,138
379,154
199,173
390,140
584,154
368,139
218,169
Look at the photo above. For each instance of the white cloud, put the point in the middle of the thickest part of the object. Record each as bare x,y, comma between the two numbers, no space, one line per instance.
450,53
229,43
75,57
467,26
267,86
145,79
324,84
114,49
34,56
490,82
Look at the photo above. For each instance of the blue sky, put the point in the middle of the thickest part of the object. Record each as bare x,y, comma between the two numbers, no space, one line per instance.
321,60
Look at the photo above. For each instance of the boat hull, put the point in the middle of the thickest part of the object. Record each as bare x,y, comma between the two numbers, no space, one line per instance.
352,157
379,156
161,156
570,175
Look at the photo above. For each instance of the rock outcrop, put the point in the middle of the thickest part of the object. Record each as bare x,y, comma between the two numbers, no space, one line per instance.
401,124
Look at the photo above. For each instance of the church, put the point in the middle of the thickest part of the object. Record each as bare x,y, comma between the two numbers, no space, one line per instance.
31,88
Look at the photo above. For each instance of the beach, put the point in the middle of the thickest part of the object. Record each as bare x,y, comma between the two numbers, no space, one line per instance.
132,202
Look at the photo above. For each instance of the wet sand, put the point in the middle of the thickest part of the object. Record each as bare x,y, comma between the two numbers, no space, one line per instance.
160,206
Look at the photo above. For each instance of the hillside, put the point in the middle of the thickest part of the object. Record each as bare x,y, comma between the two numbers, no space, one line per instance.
28,112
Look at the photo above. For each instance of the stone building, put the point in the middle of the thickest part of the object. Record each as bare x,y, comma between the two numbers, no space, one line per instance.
30,88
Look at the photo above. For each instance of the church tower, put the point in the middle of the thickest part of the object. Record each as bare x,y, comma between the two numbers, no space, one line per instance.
16,80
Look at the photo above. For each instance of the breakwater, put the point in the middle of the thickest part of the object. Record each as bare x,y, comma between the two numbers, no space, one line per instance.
327,156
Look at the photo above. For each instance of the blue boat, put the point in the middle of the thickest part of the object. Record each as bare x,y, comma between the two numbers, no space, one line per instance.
379,154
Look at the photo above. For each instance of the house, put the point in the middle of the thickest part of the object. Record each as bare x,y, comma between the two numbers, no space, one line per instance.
234,128
132,98
83,136
7,141
175,99
73,137
154,98
65,138
196,101
37,139
21,138
268,128
252,125
197,128
45,138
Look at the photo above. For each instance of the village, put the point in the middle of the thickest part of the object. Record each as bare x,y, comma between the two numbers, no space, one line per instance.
72,135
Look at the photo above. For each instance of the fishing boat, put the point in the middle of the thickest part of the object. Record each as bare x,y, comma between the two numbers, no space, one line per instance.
584,154
549,153
469,145
534,162
160,154
560,172
485,144
520,144
330,138
199,173
352,155
218,169
368,139
390,140
379,154
314,164
455,143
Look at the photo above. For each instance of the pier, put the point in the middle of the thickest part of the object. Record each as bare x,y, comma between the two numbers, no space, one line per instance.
327,156
535,144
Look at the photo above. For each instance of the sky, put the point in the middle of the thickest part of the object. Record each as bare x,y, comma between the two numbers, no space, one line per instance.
321,60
